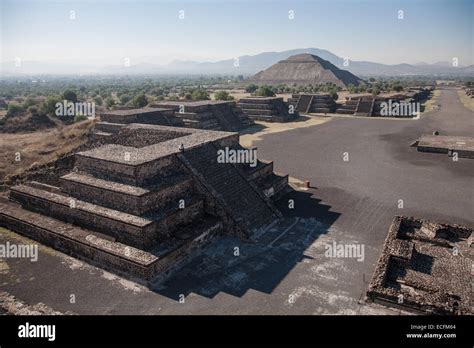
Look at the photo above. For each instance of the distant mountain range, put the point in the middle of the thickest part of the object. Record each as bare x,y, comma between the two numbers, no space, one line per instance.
250,65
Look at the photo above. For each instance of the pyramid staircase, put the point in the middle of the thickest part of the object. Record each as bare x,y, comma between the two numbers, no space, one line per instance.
244,203
313,103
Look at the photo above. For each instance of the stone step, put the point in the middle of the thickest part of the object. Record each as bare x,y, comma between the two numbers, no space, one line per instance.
320,110
139,231
322,105
77,242
130,229
145,115
274,185
127,198
108,254
304,103
228,120
195,115
108,127
254,106
262,169
260,111
260,100
268,118
122,171
243,201
96,135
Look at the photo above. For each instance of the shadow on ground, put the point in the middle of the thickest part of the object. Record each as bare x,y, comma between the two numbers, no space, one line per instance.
261,264
255,128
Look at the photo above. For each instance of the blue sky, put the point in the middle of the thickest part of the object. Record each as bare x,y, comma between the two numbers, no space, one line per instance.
106,31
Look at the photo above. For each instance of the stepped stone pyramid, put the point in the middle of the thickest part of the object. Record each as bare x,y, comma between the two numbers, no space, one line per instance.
270,109
206,114
140,203
313,103
304,69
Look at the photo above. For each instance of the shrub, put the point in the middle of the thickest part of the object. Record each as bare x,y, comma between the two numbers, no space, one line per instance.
265,91
70,95
251,88
14,109
139,101
200,94
79,118
223,95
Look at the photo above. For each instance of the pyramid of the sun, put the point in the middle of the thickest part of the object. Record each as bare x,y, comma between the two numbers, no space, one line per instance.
305,69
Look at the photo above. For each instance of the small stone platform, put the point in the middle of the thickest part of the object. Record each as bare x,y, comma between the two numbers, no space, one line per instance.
463,146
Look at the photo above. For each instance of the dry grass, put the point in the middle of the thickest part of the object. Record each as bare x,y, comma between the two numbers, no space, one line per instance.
432,103
467,101
38,148
255,133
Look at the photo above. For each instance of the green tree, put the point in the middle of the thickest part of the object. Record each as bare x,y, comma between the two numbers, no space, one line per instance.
29,102
397,88
70,95
223,95
265,91
98,100
124,99
33,109
251,88
139,101
14,109
109,102
49,105
200,94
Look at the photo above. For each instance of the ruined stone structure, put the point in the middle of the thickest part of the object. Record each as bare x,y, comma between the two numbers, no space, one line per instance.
206,114
270,109
112,121
304,69
369,105
313,103
462,146
425,267
140,204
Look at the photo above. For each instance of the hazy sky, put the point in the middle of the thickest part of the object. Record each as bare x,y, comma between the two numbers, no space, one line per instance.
106,31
